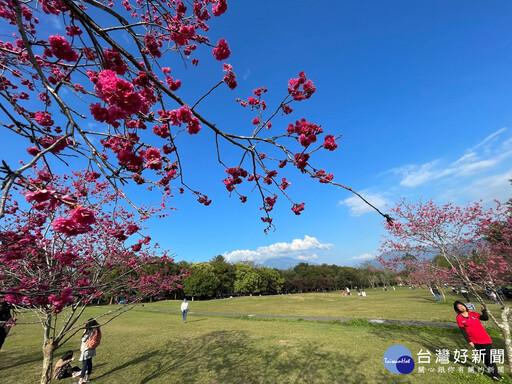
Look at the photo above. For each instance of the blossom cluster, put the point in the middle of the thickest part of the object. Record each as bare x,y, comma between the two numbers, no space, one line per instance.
306,131
324,177
120,96
330,143
219,7
48,141
235,177
295,85
182,115
229,77
79,221
173,84
125,149
61,48
298,208
221,51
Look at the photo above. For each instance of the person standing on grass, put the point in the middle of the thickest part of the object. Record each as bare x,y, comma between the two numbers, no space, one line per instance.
475,334
184,309
90,340
464,292
436,293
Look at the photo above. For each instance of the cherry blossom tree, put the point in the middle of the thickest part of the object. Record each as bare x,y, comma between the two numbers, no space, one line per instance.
55,85
432,274
69,243
466,238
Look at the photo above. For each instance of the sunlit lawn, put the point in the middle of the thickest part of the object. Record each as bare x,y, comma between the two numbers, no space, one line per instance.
404,304
157,347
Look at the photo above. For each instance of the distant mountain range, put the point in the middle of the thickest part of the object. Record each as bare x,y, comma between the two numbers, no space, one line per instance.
283,263
429,253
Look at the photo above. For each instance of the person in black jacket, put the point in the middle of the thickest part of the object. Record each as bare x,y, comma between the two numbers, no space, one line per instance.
5,316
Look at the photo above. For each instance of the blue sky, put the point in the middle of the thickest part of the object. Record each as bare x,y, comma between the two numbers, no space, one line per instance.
421,92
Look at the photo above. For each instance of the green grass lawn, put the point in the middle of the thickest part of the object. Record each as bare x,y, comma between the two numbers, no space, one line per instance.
157,347
404,304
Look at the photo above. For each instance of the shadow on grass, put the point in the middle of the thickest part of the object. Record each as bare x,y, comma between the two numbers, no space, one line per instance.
429,338
15,360
233,357
139,359
196,320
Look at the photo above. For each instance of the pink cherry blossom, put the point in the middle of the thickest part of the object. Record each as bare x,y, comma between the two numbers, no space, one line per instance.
153,45
153,159
114,62
61,48
222,51
298,208
219,7
194,126
183,36
230,80
69,227
73,30
83,216
330,143
33,151
44,118
39,195
301,160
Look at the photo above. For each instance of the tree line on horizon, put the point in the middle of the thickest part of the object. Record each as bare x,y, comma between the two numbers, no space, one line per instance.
219,278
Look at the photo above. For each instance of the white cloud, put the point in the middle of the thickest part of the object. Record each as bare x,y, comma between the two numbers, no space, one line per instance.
507,143
475,167
55,21
241,255
246,74
486,189
364,256
473,163
297,248
314,256
489,138
481,158
414,176
468,157
358,207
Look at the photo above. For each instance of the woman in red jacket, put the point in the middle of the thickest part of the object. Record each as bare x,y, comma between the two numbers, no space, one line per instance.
475,334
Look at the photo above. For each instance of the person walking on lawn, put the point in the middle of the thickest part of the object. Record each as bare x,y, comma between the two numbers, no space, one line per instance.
184,309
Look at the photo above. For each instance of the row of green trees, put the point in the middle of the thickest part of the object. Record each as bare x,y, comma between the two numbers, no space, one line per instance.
219,278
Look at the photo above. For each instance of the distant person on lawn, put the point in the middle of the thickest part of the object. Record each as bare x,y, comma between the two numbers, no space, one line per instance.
184,309
464,292
437,295
475,334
